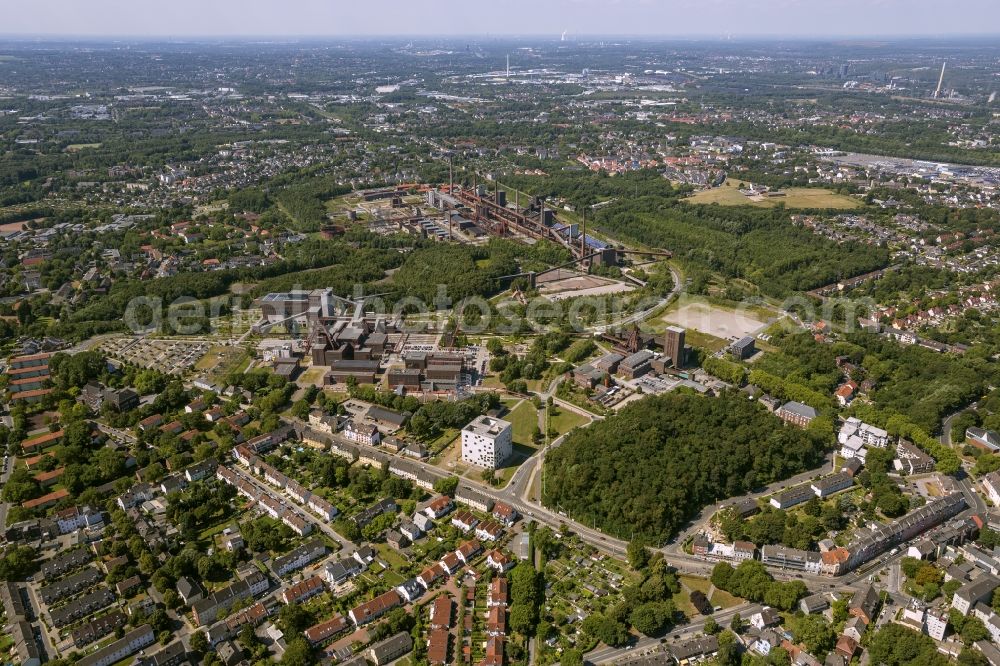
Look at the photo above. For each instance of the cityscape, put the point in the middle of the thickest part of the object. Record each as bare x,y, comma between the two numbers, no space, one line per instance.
498,347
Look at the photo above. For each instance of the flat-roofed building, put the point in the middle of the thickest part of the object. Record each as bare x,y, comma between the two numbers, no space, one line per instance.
487,442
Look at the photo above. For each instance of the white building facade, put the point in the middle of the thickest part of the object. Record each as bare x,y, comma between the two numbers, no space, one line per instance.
487,442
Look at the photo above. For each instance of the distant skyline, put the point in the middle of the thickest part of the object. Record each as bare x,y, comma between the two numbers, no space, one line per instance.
344,18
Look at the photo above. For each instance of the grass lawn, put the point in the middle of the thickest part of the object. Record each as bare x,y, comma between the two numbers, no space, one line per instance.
524,419
724,599
210,359
391,556
704,340
565,420
209,533
682,602
696,583
446,438
392,578
493,382
795,197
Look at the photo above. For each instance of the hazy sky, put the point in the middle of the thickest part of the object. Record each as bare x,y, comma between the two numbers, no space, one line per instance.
156,18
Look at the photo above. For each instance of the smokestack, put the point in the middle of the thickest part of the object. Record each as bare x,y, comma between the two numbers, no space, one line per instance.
451,176
583,236
937,91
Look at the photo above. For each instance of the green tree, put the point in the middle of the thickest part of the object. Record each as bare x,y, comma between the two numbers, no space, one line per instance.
199,642
638,554
298,652
446,486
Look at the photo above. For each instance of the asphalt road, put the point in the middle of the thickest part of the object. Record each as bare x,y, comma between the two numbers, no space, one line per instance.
645,644
4,507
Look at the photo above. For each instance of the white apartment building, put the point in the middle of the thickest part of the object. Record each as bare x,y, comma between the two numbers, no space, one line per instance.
991,484
487,442
855,437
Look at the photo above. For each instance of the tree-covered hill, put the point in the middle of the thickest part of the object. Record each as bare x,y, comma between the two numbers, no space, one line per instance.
651,467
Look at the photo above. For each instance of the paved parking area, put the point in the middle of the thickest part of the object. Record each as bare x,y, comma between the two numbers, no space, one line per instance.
173,357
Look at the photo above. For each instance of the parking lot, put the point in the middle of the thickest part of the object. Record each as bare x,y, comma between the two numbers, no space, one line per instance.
173,357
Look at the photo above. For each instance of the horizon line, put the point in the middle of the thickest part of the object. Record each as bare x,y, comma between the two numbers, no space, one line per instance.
553,36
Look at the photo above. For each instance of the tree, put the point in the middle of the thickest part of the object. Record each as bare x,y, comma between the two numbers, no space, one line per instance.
521,619
638,554
199,642
298,652
652,617
294,618
711,627
896,645
736,624
172,600
973,630
969,657
18,562
701,602
574,657
815,633
650,467
605,629
446,486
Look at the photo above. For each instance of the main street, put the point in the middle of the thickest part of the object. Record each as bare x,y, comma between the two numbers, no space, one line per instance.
646,644
4,476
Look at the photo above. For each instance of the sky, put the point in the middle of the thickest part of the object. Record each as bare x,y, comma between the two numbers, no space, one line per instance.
578,18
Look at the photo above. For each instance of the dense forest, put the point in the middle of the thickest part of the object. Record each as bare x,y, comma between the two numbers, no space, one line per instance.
759,245
651,467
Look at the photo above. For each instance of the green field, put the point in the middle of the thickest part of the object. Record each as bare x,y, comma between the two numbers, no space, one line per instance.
77,147
795,197
523,418
564,420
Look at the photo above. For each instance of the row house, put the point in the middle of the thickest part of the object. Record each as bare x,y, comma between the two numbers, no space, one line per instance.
81,607
468,550
321,507
412,472
303,590
341,571
498,561
318,634
505,513
297,491
464,520
297,523
489,531
791,558
96,629
431,575
439,507
65,562
70,585
903,529
497,594
373,458
473,499
299,557
370,611
129,644
207,610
